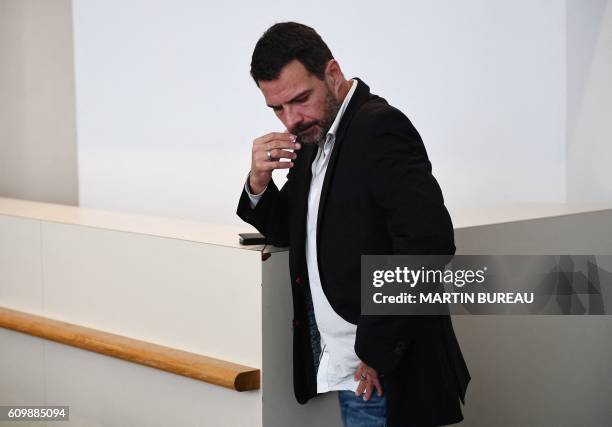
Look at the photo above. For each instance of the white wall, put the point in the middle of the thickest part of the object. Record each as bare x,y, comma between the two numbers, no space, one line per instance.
589,130
38,152
158,289
166,109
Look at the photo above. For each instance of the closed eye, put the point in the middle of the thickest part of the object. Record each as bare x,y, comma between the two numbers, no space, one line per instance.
301,97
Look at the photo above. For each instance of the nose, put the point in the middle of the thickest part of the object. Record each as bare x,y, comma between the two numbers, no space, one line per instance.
292,117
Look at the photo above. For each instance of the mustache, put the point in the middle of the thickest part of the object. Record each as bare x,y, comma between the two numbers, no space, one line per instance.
303,126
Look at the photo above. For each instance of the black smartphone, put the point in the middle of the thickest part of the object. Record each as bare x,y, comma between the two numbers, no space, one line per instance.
252,239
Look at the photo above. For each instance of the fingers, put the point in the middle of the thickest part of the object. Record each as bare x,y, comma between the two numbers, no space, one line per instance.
377,386
278,145
365,385
365,388
373,379
368,391
266,166
276,140
360,388
275,154
369,384
271,165
358,372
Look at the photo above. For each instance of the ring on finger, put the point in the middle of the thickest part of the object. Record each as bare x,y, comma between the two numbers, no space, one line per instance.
269,153
363,377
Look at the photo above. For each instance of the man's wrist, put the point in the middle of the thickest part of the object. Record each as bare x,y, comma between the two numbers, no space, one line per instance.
254,191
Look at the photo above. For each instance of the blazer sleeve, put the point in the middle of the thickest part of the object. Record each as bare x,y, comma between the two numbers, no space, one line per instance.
271,214
400,182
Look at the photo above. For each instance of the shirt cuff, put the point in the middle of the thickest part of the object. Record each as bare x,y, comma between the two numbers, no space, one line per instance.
253,198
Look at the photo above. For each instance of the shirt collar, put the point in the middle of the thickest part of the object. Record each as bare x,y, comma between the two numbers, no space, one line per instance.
331,133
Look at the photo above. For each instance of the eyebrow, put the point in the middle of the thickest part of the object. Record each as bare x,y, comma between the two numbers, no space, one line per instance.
299,95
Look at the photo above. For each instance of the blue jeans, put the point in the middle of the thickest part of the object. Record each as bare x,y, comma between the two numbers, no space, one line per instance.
356,412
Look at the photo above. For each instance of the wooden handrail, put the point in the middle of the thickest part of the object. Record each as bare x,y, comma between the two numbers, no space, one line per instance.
208,369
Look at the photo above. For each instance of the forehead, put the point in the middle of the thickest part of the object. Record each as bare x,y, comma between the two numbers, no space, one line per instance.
293,79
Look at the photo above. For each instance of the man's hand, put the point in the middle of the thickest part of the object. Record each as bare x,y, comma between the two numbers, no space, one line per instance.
267,152
368,381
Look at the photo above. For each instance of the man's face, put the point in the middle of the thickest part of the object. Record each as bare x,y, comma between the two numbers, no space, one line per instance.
306,105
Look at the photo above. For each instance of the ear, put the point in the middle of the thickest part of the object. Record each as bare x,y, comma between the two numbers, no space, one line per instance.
333,76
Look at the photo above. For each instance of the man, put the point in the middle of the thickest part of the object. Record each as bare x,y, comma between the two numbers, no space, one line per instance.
359,182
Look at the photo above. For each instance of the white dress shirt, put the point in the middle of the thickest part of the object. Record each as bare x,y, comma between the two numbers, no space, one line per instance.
338,361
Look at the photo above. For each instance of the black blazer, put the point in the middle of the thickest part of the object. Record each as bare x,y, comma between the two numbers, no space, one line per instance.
378,197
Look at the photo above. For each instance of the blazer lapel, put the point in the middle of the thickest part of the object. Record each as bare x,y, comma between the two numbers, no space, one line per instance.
362,92
308,153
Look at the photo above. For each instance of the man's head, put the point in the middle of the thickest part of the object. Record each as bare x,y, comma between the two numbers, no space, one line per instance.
299,78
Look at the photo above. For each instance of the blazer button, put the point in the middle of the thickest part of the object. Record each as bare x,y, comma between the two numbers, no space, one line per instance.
296,323
298,280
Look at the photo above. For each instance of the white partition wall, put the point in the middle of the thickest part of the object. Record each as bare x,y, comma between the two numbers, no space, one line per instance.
181,284
537,370
198,296
190,286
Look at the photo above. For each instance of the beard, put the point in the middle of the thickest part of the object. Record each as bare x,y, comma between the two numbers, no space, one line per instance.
330,109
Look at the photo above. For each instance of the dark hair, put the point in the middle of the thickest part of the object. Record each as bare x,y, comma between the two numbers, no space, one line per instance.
284,42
